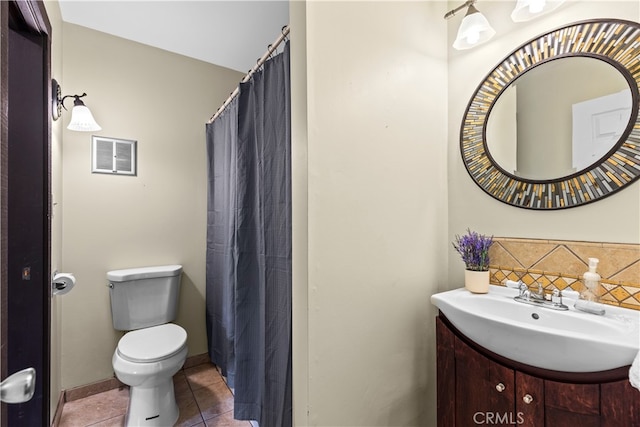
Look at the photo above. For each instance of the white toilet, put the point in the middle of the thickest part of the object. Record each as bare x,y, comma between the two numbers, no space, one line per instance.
144,301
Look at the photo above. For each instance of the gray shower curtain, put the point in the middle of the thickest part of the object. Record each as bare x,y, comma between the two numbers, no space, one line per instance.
249,245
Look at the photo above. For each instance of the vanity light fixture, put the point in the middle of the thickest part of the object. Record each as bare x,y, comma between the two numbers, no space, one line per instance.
81,118
474,29
527,10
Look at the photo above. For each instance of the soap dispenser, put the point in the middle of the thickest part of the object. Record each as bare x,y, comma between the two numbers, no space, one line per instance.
589,299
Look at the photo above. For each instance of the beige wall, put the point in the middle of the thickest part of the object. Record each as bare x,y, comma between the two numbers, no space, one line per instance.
53,11
613,219
379,192
300,223
376,199
162,100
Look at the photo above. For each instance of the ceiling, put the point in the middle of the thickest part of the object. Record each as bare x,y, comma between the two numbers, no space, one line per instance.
232,33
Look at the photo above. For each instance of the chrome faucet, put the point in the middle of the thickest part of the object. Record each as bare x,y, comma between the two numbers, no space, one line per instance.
539,298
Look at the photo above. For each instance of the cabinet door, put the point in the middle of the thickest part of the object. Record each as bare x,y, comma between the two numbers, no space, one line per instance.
484,389
446,374
620,404
529,399
571,404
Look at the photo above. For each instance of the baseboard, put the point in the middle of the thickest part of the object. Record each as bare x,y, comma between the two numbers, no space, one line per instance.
58,415
111,383
198,359
91,389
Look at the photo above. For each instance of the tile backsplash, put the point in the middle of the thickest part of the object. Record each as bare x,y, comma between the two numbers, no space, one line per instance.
561,264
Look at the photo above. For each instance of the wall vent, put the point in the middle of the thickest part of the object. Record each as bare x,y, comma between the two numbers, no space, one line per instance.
113,156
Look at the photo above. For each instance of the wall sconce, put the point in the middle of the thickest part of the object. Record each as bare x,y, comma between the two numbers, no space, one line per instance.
474,29
81,118
526,10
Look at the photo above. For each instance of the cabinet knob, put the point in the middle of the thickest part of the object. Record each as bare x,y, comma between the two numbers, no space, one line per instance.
527,399
500,387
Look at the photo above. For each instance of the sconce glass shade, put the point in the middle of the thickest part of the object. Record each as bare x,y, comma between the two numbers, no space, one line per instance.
474,30
81,118
527,10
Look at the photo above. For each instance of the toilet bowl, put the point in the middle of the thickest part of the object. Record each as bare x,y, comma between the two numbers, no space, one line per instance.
144,301
146,360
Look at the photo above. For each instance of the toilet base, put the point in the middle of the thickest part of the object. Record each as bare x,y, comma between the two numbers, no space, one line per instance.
153,407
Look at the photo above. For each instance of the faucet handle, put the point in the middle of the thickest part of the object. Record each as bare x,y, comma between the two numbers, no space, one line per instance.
556,297
512,284
523,290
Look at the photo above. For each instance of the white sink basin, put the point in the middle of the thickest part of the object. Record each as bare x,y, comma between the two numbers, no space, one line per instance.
568,341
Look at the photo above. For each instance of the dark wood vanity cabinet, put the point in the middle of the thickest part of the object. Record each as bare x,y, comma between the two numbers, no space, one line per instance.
477,387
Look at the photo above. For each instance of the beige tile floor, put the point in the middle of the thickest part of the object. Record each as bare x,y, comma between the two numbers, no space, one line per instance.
203,398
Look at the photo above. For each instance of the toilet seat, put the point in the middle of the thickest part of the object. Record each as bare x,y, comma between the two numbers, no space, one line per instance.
152,344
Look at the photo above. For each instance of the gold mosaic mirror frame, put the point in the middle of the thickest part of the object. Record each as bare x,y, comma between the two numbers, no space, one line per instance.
615,41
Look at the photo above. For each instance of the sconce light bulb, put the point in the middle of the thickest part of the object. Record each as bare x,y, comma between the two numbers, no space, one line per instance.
536,6
473,37
526,10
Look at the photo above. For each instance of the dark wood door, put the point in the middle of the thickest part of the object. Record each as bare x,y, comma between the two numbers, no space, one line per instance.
446,374
25,139
485,390
619,404
529,400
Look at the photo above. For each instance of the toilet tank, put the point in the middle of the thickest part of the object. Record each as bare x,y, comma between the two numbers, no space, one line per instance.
145,296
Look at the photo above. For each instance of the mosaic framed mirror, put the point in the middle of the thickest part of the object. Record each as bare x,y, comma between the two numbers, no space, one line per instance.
555,124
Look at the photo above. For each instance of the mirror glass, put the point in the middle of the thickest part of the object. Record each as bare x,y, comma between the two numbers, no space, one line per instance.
558,118
575,83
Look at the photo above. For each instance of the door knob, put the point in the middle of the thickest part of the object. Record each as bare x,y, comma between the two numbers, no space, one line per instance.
500,387
527,399
19,387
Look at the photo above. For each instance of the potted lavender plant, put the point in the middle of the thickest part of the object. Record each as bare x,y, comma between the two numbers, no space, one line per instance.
474,250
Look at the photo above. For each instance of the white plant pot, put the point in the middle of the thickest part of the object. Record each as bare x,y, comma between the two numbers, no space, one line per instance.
476,282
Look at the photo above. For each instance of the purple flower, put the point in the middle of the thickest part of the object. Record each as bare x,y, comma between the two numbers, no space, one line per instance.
474,250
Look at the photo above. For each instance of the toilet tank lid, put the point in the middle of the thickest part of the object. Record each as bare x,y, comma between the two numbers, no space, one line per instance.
144,273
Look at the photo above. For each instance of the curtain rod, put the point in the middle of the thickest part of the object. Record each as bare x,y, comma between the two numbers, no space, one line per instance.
270,49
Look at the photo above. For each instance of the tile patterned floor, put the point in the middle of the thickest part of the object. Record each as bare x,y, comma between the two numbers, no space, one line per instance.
202,395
